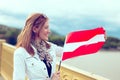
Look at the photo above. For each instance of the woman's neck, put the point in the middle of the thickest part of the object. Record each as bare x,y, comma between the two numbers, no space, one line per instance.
37,40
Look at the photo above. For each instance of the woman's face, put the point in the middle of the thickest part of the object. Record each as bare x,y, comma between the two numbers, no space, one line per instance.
44,32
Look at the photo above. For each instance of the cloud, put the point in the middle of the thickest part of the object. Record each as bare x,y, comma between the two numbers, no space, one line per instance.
12,19
7,20
64,6
65,25
65,15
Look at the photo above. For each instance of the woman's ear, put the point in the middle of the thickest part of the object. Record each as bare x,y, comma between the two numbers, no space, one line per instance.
35,30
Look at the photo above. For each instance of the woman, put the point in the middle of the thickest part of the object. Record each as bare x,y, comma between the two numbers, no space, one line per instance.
35,57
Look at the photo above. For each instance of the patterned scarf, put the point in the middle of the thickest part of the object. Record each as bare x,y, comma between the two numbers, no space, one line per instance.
43,52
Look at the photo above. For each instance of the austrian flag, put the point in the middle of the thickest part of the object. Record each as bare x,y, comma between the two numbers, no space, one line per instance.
83,42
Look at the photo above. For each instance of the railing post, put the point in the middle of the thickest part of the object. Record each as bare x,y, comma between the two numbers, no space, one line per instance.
1,41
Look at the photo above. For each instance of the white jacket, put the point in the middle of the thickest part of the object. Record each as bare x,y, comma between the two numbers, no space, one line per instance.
32,66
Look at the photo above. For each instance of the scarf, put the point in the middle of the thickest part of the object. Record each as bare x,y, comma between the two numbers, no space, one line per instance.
43,52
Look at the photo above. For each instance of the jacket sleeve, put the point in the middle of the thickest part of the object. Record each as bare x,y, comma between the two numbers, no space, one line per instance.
59,51
19,65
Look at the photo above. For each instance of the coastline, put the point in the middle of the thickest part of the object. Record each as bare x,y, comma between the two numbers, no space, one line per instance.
111,50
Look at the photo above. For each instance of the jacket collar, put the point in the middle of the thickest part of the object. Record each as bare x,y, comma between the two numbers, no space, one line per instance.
35,55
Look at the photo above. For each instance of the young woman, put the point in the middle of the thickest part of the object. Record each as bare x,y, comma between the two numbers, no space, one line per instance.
35,57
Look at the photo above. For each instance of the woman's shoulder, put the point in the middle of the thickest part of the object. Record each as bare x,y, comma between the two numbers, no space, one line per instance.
19,51
52,44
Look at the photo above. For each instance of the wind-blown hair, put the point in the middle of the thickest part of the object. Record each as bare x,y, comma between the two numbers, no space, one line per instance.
24,38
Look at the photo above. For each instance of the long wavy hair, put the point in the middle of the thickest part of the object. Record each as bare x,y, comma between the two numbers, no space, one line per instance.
27,35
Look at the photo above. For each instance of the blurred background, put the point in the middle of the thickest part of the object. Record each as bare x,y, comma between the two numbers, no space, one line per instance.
66,16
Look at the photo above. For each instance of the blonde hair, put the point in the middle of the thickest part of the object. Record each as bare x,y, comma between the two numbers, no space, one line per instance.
27,34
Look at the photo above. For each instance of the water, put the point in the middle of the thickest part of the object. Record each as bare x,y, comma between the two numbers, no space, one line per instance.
103,63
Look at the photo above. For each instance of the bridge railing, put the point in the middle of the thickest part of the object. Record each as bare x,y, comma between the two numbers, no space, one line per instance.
67,73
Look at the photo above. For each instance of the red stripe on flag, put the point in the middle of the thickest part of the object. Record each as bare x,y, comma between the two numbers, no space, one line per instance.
83,50
85,35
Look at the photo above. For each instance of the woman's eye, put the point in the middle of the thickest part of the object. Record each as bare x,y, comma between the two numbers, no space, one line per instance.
46,27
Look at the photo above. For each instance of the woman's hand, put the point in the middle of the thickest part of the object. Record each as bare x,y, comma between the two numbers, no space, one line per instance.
105,36
56,76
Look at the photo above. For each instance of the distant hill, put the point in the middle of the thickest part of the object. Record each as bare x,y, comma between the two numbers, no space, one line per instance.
10,34
112,43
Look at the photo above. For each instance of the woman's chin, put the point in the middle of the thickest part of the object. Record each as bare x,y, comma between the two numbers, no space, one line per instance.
46,39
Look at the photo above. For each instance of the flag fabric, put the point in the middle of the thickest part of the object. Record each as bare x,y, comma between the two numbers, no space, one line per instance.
83,42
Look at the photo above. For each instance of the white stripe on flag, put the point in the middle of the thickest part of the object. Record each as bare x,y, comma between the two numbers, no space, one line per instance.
70,47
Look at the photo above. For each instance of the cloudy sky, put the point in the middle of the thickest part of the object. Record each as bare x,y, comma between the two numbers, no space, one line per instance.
65,15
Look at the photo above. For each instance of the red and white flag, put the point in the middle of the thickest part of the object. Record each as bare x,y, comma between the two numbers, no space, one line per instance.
83,42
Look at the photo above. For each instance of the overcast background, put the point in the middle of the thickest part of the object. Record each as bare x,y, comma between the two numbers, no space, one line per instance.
65,15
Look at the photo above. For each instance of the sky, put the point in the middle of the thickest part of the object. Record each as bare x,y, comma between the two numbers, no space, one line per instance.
65,15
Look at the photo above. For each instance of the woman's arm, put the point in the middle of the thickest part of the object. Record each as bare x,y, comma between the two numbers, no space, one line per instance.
19,65
59,51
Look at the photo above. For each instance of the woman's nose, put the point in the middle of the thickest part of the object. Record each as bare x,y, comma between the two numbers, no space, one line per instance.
49,31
